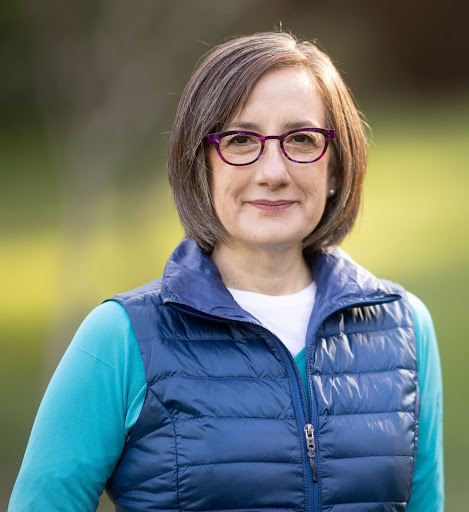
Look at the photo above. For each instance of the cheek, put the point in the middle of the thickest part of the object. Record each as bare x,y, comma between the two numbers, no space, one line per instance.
214,176
227,184
317,186
218,188
226,194
222,191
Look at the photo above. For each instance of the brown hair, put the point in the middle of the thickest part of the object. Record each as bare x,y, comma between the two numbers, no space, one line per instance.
218,88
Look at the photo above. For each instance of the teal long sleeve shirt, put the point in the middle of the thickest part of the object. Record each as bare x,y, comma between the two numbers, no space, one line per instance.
96,394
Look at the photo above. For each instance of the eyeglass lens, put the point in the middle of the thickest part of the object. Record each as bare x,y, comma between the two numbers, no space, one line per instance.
299,146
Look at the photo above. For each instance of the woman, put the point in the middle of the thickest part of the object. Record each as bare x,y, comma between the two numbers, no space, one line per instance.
265,370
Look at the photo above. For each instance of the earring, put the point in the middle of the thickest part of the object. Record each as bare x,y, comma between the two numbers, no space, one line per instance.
331,192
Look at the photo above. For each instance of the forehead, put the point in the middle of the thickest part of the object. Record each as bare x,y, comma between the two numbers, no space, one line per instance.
283,95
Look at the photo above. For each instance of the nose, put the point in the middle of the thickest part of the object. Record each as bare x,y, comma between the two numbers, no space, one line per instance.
272,167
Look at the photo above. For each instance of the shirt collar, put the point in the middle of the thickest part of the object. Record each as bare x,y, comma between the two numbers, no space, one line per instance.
192,280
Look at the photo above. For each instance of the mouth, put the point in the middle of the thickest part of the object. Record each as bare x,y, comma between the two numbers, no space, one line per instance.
271,206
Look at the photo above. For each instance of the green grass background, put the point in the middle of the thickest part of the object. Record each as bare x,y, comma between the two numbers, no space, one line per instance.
412,229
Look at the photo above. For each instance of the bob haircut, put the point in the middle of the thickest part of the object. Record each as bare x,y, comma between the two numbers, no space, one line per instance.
218,89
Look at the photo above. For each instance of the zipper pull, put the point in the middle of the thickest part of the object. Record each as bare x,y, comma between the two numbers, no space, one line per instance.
311,445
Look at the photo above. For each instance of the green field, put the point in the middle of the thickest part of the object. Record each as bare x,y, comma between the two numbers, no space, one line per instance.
412,228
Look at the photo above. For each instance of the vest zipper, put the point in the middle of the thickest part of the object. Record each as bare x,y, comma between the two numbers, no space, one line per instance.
304,412
311,445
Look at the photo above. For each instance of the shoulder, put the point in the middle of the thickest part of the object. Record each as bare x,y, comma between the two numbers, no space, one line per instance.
422,318
107,335
105,325
428,357
423,325
109,317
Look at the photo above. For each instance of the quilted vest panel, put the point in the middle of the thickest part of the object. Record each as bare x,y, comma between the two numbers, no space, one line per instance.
222,425
366,405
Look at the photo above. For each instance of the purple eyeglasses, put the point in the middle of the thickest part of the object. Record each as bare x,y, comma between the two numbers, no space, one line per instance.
302,146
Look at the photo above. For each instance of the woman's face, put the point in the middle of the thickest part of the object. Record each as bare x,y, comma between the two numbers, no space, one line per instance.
273,202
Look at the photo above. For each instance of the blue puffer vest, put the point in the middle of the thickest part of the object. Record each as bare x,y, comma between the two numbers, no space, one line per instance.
226,424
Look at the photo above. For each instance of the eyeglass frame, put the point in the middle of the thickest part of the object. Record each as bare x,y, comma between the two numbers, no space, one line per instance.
214,138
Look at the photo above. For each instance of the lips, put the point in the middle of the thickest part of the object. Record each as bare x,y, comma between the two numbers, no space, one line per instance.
272,206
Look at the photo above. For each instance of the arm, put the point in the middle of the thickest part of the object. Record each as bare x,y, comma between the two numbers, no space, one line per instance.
428,484
92,401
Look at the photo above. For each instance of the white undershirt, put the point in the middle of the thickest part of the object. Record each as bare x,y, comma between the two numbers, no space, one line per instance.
287,316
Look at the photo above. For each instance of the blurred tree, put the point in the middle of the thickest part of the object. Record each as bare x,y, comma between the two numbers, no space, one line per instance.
427,44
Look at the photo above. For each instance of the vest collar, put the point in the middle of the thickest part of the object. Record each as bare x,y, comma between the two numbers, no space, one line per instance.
192,280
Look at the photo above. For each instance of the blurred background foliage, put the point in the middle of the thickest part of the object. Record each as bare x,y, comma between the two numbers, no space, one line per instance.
88,92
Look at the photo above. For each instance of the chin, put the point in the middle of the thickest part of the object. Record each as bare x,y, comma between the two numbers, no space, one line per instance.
276,241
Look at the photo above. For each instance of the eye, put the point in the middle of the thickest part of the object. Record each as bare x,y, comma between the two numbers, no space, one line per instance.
239,142
306,139
300,137
241,139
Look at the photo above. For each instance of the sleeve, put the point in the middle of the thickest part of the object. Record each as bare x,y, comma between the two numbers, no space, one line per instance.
428,484
92,401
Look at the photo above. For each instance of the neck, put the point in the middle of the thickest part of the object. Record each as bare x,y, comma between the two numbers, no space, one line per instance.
270,271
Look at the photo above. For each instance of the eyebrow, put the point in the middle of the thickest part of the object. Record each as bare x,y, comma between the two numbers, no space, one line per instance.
292,125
